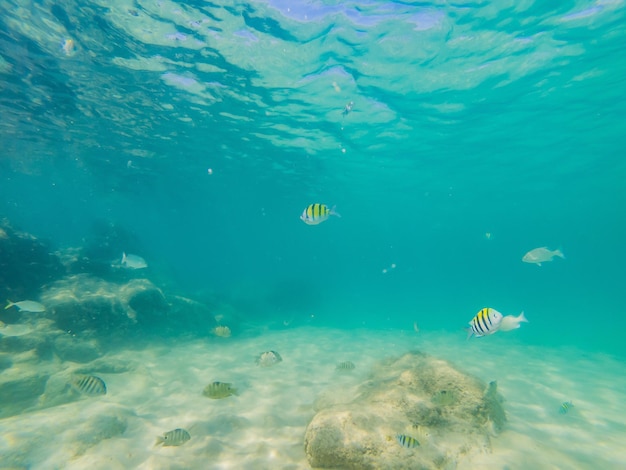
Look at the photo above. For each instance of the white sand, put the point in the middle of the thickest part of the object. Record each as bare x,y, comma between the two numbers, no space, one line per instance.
263,427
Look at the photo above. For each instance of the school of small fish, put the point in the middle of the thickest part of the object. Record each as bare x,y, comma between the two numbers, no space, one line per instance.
487,321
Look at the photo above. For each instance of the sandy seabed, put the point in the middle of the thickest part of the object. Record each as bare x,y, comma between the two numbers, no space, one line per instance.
263,427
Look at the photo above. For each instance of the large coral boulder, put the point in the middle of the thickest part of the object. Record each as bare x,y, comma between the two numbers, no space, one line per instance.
450,414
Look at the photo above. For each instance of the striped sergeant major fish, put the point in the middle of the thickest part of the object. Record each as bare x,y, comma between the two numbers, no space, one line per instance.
177,437
565,407
317,213
407,441
89,385
486,322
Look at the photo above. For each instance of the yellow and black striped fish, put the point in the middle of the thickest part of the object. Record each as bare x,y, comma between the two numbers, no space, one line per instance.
345,366
565,407
317,213
89,385
217,390
177,437
485,322
407,441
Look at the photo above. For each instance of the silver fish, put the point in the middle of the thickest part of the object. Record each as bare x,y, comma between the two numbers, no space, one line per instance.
133,261
268,358
26,306
512,322
89,385
541,255
177,437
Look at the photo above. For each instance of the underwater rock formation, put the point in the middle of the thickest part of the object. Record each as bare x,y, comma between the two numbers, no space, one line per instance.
451,414
26,263
86,304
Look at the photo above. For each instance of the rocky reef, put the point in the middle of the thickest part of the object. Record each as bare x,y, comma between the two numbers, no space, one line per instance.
450,414
77,309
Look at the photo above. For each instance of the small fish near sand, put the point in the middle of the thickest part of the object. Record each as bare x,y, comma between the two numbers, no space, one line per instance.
130,261
345,366
268,358
177,437
317,213
26,306
222,331
89,385
512,322
407,441
217,390
541,255
565,407
486,322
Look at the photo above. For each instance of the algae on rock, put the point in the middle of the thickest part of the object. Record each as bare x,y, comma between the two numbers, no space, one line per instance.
450,413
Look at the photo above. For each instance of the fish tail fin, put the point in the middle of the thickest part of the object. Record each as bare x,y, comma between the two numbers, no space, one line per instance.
333,211
559,253
522,317
538,264
9,304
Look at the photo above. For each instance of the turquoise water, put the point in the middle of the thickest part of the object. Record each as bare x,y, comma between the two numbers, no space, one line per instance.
453,138
468,118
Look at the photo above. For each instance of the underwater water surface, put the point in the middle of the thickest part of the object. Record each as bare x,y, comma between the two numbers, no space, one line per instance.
156,157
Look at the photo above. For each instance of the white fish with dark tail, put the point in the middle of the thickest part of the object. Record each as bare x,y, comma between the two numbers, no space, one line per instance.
541,255
177,437
512,322
26,306
268,358
133,261
486,322
89,385
317,213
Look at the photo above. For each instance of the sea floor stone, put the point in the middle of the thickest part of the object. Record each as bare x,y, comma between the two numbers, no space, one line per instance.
451,414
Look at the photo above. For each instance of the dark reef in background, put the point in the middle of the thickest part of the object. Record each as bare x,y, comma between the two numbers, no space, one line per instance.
89,297
26,264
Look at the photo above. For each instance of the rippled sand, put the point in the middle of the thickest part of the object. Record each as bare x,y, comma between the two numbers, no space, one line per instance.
263,427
